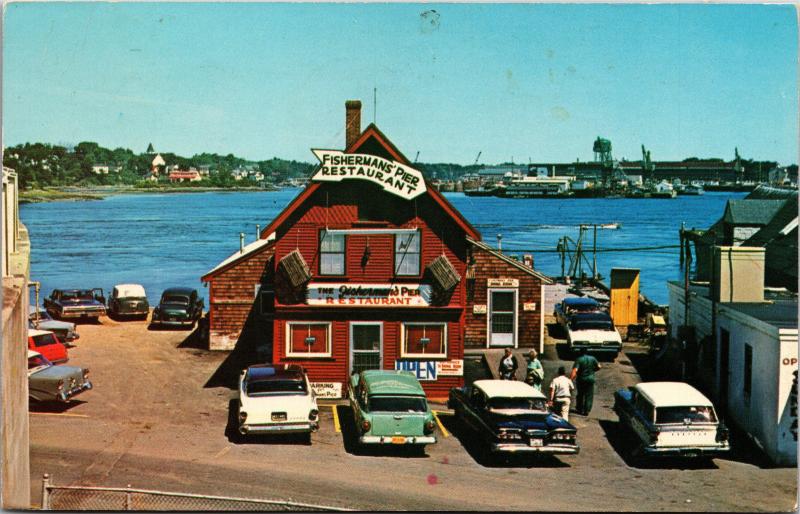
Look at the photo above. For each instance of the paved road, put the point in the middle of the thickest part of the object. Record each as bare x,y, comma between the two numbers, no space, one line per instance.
151,423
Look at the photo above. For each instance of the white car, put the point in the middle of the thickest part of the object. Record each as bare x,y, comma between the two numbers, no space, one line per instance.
595,332
276,399
671,419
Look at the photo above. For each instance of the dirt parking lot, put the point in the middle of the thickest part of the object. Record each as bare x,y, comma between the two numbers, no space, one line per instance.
157,419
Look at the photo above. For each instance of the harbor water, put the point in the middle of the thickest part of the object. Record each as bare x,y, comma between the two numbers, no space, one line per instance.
164,240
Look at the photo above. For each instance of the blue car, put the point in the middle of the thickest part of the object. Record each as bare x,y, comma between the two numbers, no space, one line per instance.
511,416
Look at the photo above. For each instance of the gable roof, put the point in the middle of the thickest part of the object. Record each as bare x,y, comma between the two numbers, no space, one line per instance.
530,271
751,212
247,252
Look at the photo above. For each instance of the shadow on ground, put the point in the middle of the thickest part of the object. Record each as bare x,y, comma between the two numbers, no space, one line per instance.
233,435
53,406
478,450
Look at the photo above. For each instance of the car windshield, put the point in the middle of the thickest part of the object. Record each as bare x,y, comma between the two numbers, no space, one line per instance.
181,300
79,294
44,340
43,315
591,325
270,387
518,403
397,404
38,361
700,414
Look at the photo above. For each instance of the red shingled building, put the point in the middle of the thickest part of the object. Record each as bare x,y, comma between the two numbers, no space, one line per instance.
368,267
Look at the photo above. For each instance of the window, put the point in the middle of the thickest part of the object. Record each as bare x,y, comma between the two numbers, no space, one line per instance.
644,407
748,369
331,253
686,415
424,340
406,254
267,300
397,404
308,339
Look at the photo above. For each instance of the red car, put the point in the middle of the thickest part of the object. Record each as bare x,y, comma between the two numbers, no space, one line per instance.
48,345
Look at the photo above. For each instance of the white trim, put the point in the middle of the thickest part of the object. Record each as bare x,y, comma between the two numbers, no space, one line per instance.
404,355
288,337
515,333
541,320
350,345
370,231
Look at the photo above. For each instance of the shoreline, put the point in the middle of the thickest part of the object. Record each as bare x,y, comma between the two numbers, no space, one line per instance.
83,194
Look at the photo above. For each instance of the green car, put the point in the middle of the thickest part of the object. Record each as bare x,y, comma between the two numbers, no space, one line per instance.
389,407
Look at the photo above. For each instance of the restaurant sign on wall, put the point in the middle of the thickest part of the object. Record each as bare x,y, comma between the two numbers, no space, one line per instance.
394,177
368,295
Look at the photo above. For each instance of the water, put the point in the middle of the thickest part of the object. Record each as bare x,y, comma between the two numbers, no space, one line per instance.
164,240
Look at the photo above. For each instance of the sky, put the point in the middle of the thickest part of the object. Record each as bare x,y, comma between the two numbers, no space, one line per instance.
516,82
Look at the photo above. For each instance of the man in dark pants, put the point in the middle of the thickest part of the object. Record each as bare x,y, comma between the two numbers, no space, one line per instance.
583,369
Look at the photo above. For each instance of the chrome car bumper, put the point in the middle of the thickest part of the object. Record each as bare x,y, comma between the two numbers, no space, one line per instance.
563,449
596,348
174,323
82,314
286,428
64,396
687,451
388,439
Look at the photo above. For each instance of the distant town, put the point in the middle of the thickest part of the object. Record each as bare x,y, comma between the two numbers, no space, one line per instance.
88,165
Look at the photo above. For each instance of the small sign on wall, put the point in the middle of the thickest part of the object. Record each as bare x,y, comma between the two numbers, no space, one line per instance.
502,282
478,309
327,389
453,368
424,370
529,306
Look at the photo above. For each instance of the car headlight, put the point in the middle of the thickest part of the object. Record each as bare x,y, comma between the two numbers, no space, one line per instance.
430,426
312,415
242,416
509,435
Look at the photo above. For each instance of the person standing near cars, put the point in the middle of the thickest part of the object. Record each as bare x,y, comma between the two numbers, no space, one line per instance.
508,365
535,374
583,373
561,389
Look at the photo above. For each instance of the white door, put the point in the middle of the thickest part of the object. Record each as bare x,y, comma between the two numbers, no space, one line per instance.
502,329
366,346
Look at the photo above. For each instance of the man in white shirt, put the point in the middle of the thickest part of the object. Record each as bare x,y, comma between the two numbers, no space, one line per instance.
561,393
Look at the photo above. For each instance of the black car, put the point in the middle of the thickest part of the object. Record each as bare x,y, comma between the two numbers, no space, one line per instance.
512,417
179,306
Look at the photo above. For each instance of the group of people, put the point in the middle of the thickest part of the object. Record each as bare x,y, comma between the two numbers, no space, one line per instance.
581,378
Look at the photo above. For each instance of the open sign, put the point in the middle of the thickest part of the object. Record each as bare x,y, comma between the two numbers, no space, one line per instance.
790,361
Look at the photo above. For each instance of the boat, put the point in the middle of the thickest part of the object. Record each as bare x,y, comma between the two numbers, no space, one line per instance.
691,190
611,226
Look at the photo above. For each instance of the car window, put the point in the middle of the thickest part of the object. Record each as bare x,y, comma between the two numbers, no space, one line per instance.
44,340
397,404
38,361
82,294
644,407
518,403
182,300
699,414
269,387
591,325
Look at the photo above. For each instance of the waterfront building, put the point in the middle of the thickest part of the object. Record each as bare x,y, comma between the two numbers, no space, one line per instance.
184,176
371,267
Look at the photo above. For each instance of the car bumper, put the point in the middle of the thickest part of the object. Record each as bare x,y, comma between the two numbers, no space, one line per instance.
687,451
174,322
598,348
390,440
65,396
552,449
286,428
133,312
82,314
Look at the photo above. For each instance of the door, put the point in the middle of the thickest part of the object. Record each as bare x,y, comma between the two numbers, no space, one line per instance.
502,330
366,346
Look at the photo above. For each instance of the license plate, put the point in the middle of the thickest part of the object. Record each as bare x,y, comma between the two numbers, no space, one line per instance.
398,440
279,416
536,442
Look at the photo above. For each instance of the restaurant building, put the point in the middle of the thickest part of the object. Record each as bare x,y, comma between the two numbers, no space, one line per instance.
370,267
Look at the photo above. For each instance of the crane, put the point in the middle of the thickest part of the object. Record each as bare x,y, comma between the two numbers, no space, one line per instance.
417,157
478,157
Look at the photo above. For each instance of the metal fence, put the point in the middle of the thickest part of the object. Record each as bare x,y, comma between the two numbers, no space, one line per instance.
72,498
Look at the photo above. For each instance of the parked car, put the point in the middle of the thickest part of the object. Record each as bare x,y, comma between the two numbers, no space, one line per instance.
389,407
671,419
569,306
76,303
594,331
179,306
128,300
64,330
511,416
47,344
276,399
47,382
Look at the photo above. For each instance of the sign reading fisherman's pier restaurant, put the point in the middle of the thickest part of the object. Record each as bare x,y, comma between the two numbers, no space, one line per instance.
394,177
369,295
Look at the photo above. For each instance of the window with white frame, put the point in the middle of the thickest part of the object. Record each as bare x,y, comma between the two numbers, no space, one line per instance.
424,340
407,254
308,339
331,253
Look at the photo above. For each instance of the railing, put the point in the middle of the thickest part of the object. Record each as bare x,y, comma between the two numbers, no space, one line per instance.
73,498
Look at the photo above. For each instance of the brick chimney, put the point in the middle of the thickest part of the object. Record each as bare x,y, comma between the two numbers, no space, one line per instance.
352,121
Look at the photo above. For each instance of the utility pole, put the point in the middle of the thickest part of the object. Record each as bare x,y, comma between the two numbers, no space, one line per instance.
594,253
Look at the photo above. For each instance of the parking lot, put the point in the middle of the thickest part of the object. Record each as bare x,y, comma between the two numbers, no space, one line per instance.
157,418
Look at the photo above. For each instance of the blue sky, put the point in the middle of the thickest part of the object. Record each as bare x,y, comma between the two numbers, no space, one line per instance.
536,82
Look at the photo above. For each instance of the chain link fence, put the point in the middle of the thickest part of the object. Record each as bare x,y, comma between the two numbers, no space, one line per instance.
73,498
